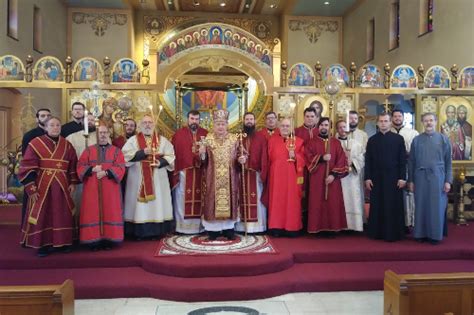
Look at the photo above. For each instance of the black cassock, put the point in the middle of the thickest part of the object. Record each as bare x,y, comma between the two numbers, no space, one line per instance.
70,128
385,164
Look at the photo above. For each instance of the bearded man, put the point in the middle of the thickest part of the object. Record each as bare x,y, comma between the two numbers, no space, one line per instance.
148,210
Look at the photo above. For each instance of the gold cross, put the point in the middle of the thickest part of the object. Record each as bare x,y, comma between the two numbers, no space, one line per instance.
59,165
386,105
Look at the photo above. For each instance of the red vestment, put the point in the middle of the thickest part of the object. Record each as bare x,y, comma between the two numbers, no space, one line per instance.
267,133
256,148
48,168
306,133
284,185
119,142
112,161
187,159
325,215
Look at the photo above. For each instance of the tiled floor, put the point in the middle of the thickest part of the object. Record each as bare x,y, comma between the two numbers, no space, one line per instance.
340,303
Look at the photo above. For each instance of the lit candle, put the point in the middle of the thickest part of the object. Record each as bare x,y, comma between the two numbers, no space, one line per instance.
347,121
86,123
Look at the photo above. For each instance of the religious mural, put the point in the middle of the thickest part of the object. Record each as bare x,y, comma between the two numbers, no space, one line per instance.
338,73
11,69
437,77
126,70
369,76
48,69
87,69
222,35
455,121
403,77
466,79
301,74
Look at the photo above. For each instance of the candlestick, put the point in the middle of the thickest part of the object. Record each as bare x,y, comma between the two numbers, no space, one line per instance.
347,121
86,123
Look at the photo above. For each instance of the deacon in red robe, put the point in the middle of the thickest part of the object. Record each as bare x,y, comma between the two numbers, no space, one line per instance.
330,214
285,179
309,129
187,176
271,121
48,171
101,168
253,212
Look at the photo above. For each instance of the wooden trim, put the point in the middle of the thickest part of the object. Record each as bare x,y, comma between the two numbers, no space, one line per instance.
289,7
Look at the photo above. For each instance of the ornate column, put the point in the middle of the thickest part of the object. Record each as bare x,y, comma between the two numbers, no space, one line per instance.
421,77
353,69
386,79
319,77
178,104
284,67
239,95
68,75
246,97
106,63
454,74
29,69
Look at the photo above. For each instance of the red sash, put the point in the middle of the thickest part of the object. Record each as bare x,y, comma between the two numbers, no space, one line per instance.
147,191
52,167
249,197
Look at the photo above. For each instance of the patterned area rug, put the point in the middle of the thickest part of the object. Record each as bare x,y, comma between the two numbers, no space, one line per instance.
201,245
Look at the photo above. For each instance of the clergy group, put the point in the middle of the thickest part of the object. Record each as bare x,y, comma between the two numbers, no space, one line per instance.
97,185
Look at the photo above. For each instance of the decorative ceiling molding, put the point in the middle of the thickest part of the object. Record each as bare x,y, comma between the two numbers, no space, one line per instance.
230,79
313,29
99,22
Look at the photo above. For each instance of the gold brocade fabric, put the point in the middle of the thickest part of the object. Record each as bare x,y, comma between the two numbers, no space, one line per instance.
222,152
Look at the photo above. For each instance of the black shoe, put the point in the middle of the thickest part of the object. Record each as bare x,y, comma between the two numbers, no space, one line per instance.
42,252
229,234
212,236
434,242
420,240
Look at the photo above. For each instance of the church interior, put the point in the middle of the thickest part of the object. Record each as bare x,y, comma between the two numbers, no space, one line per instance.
173,56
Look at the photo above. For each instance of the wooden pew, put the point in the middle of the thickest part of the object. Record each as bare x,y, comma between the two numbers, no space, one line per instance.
429,294
38,299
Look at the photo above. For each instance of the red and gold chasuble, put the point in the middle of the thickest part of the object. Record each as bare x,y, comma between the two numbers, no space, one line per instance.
147,190
52,168
256,148
187,159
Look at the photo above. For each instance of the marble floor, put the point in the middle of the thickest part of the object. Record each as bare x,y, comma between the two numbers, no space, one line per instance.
340,303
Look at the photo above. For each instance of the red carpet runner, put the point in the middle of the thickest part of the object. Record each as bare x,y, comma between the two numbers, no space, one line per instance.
305,264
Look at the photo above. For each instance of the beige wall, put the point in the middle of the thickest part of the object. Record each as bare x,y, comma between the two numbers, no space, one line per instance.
114,41
54,29
452,40
297,46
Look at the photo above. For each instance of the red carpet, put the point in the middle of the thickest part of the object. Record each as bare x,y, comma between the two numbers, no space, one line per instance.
10,214
305,264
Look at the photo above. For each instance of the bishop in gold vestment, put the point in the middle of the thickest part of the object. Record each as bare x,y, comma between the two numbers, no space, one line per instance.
220,157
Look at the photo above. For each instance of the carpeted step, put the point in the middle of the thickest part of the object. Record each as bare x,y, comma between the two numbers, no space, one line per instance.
310,277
